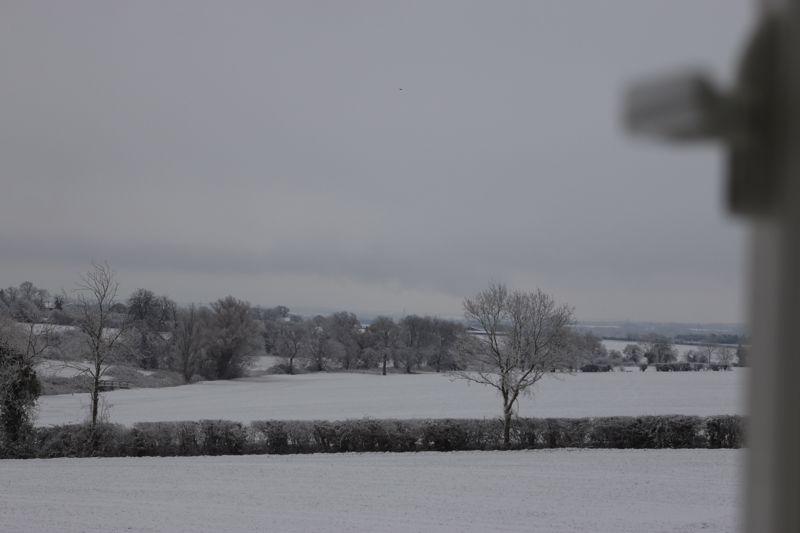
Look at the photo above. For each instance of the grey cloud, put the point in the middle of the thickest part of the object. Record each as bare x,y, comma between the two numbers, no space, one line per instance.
273,139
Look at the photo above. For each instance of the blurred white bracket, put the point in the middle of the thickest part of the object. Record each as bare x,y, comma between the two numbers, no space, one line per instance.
685,106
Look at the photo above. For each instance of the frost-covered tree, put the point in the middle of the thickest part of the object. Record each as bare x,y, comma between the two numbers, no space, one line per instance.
385,332
658,349
633,353
344,328
150,318
232,338
524,336
187,342
271,318
320,346
415,341
289,341
726,355
707,353
445,336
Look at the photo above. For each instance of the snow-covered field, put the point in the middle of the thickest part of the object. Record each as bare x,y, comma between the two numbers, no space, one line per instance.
340,395
552,491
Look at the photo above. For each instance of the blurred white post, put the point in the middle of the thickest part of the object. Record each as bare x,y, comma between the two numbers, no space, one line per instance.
758,121
773,470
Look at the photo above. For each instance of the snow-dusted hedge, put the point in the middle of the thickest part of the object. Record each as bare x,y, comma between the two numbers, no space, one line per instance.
221,437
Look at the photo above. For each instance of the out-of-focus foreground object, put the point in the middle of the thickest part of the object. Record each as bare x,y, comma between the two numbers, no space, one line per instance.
758,122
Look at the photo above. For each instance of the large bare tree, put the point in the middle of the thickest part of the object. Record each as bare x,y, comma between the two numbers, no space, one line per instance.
187,341
96,294
232,338
386,332
523,336
289,341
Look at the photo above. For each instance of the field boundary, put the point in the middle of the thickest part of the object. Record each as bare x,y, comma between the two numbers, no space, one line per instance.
223,437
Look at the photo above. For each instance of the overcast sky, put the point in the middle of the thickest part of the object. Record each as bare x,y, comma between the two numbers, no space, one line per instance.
368,156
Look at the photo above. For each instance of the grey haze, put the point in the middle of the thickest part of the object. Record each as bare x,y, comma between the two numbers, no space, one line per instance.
369,156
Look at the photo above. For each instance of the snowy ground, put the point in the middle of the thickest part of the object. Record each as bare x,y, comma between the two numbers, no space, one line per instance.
553,491
341,395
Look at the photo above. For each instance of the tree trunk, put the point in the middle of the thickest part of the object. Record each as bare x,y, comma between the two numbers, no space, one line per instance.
291,365
507,428
95,396
95,399
384,365
507,413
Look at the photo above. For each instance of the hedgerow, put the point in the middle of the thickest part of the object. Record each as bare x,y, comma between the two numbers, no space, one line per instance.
223,437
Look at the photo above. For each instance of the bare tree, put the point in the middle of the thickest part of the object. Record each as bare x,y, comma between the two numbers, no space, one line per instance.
416,341
445,336
523,338
233,337
386,332
726,355
707,353
344,329
149,317
187,341
96,294
658,349
289,339
320,346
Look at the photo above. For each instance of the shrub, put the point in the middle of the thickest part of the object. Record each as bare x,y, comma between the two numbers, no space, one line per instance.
268,437
596,367
724,431
222,437
565,432
76,440
674,431
683,366
446,435
165,439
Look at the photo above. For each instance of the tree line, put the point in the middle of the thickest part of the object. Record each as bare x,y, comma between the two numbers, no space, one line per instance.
515,338
93,331
220,340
